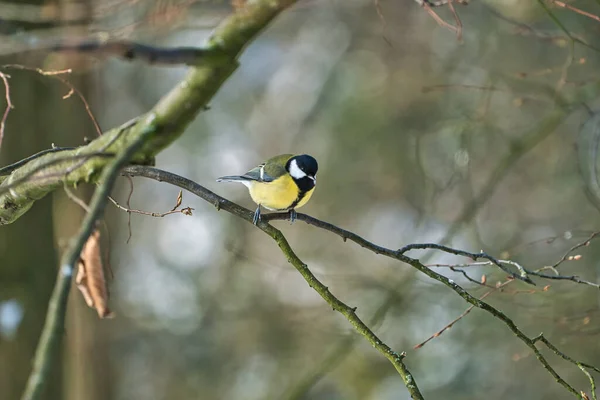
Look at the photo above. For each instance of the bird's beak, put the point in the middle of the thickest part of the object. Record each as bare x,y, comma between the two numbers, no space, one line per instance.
314,178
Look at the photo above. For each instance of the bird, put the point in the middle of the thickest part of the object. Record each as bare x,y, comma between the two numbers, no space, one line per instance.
282,183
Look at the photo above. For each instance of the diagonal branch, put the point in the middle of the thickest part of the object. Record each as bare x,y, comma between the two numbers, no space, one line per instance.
474,256
172,113
221,203
582,366
47,350
349,312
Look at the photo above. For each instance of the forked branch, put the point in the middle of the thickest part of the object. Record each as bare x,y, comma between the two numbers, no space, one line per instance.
349,312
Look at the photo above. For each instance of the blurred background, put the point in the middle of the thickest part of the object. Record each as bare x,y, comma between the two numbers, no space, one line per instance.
478,142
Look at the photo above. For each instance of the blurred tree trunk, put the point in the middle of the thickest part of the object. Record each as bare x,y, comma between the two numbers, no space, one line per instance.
28,259
27,255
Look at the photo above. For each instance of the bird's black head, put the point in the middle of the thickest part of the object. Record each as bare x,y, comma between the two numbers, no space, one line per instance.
303,169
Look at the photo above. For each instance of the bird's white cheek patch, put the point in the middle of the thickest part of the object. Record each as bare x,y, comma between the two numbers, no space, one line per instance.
295,171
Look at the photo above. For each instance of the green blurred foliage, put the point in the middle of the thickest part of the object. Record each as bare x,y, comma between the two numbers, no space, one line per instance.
410,126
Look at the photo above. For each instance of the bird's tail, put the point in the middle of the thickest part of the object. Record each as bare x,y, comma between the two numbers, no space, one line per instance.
233,178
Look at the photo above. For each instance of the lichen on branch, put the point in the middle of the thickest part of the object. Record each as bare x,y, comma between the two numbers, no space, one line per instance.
172,114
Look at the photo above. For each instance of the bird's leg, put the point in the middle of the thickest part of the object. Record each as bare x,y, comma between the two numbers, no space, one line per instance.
292,215
256,215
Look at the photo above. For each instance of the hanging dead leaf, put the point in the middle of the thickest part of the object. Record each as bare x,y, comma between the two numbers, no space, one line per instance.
90,279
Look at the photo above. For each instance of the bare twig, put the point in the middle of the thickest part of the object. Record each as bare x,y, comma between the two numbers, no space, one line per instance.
430,5
9,105
457,20
72,89
461,316
474,256
537,272
33,175
130,51
10,168
438,19
582,366
174,210
128,204
575,9
76,199
439,3
383,21
458,269
585,243
574,39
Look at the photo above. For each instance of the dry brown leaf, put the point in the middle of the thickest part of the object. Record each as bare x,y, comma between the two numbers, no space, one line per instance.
90,279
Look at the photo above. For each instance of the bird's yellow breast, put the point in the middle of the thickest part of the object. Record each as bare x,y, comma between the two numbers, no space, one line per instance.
280,194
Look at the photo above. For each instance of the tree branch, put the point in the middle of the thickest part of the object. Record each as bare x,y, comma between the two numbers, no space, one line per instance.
48,348
349,312
221,203
171,114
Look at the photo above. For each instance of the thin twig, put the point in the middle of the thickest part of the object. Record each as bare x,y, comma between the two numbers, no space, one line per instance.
439,3
585,243
457,268
383,21
174,210
474,256
30,175
457,20
76,199
438,19
461,316
10,168
9,105
575,9
128,204
580,365
72,89
563,28
537,272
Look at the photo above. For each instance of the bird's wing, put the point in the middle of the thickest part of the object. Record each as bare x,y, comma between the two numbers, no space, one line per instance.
258,174
275,167
265,172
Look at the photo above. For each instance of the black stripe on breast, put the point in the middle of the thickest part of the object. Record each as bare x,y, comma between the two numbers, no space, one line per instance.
304,186
298,200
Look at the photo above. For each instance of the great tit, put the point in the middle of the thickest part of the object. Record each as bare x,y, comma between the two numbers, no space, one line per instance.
282,183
